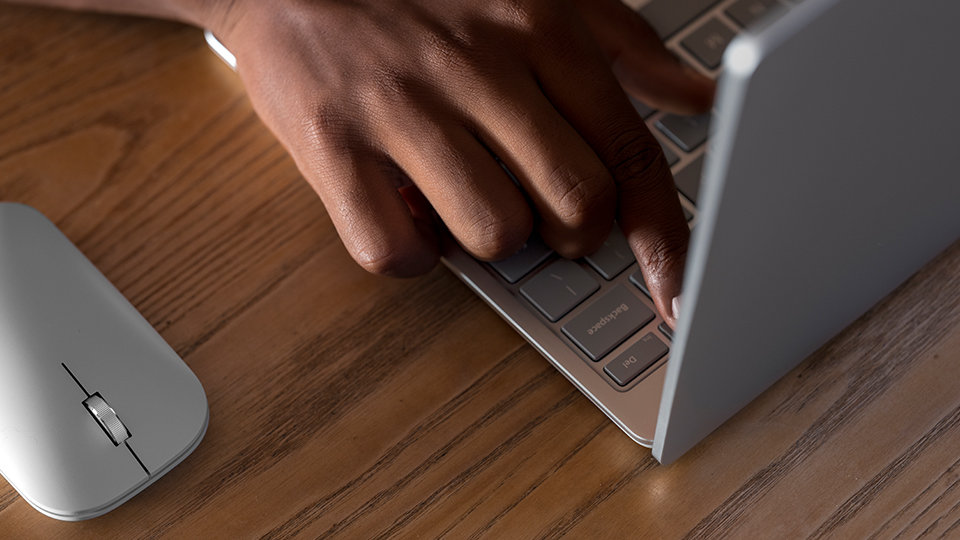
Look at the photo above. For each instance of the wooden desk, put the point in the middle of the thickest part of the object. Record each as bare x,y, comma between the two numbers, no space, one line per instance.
356,406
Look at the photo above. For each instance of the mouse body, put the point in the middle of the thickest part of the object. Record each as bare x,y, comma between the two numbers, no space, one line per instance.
94,405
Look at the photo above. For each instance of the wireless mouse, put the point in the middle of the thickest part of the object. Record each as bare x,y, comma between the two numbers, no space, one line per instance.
94,405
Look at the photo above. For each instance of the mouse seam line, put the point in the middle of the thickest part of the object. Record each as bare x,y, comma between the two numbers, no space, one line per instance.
72,376
136,457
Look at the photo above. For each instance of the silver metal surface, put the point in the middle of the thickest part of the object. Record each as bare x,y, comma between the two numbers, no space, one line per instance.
833,176
219,49
633,409
66,331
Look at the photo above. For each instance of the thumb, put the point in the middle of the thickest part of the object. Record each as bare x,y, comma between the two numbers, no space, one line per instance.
643,65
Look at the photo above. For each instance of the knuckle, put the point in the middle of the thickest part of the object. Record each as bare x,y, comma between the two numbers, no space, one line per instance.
634,155
386,87
529,16
321,122
469,57
325,131
517,12
582,199
496,237
449,48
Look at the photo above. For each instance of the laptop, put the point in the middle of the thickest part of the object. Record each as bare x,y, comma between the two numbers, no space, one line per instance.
826,176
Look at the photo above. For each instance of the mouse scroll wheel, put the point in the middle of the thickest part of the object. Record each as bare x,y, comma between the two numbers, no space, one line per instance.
107,418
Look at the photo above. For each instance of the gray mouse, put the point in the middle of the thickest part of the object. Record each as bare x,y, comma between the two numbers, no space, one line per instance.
94,405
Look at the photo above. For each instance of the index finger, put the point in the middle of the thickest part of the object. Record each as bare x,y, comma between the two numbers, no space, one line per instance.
648,208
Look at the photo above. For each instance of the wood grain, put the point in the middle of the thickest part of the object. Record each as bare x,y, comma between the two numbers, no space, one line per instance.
348,405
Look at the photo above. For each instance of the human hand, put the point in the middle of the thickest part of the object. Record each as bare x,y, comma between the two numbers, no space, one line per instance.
393,110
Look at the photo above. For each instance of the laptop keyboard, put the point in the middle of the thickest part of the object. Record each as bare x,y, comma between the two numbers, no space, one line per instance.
599,305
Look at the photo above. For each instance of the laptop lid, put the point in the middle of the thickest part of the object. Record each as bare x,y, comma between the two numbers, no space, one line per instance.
832,177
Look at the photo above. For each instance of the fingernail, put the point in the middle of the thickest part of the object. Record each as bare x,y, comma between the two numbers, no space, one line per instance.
675,305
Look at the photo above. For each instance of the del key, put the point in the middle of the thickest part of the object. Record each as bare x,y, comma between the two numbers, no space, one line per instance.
636,359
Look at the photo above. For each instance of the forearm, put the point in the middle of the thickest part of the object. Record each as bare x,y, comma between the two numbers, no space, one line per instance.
195,12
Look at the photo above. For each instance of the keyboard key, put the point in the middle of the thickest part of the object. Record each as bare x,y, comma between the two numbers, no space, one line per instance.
665,330
636,359
613,257
637,279
558,288
607,321
688,179
669,16
672,158
708,42
524,261
645,111
745,12
507,170
688,132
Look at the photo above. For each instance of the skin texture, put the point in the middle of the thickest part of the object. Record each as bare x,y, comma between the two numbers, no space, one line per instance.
399,114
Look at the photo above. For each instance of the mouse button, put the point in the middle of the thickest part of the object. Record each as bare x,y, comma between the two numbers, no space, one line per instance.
61,462
162,404
151,390
162,431
37,409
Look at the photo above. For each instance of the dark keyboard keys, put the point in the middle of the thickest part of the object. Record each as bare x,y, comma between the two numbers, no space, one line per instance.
665,330
746,12
708,42
688,179
558,288
671,157
687,132
637,279
524,261
645,111
607,321
669,16
613,257
635,360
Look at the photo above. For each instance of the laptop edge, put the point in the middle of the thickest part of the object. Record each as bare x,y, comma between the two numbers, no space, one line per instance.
802,230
